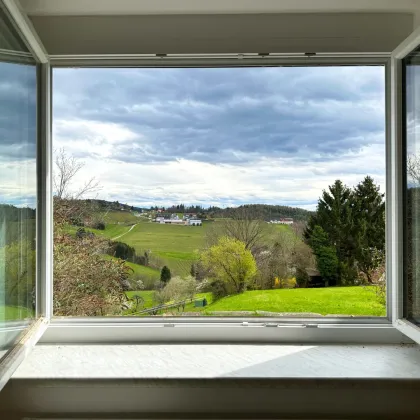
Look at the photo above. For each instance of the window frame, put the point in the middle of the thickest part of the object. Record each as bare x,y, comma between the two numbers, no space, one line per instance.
392,328
30,333
136,329
400,322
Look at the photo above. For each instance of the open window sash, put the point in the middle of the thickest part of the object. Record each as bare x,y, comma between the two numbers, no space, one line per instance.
404,213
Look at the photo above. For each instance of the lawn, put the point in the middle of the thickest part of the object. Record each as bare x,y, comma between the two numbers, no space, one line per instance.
12,313
357,300
147,295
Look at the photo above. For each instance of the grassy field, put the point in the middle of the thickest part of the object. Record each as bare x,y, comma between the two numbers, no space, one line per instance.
357,301
11,313
140,270
120,217
176,246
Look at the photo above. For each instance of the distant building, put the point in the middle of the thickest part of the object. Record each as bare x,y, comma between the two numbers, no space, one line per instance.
195,222
285,221
173,222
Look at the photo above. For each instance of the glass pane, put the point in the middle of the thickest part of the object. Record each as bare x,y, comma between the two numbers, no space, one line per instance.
18,135
219,191
412,200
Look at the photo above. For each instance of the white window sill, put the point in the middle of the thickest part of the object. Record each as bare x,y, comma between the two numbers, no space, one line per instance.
159,361
249,381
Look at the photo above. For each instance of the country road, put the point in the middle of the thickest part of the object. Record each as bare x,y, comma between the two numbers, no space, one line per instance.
129,230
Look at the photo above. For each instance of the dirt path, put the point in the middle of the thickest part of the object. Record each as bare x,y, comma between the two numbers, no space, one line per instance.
129,230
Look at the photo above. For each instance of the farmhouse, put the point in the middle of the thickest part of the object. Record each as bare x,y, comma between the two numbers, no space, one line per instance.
284,221
173,222
195,222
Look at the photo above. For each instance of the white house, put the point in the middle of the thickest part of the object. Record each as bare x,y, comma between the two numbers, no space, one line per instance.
195,222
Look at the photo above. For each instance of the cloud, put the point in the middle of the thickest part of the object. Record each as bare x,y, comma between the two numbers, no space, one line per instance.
18,134
222,136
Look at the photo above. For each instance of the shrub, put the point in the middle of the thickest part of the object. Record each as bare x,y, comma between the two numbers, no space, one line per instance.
165,274
302,278
86,284
98,225
179,288
219,289
76,221
122,250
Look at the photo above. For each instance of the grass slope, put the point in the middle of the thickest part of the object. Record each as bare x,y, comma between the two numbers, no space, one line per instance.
139,269
147,295
120,217
355,300
12,313
177,246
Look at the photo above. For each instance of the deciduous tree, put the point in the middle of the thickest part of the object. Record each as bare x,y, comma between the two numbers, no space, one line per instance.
231,262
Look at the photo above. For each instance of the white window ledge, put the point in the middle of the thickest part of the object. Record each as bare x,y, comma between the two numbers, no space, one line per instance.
221,361
189,381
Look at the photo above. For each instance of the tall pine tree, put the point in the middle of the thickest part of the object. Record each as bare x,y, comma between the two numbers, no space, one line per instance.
334,216
368,226
353,225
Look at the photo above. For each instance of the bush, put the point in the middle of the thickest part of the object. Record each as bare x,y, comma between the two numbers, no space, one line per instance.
86,284
179,289
147,282
302,278
76,221
98,225
218,289
122,250
203,286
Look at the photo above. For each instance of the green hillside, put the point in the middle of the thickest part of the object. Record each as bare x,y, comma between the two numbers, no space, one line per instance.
176,246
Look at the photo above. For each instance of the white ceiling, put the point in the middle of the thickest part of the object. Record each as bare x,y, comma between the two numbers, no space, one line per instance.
221,26
126,7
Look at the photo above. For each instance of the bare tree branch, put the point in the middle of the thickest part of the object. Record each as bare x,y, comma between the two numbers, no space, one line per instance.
67,168
413,168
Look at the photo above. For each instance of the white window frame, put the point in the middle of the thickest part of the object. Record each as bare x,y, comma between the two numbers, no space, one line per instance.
31,333
389,329
287,329
399,321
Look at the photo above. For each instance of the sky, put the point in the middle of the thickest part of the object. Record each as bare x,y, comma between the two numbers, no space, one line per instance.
18,95
221,136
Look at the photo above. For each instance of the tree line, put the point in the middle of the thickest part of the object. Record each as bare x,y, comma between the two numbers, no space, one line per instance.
347,232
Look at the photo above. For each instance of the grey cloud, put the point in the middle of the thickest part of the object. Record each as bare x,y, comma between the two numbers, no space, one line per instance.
18,97
229,115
